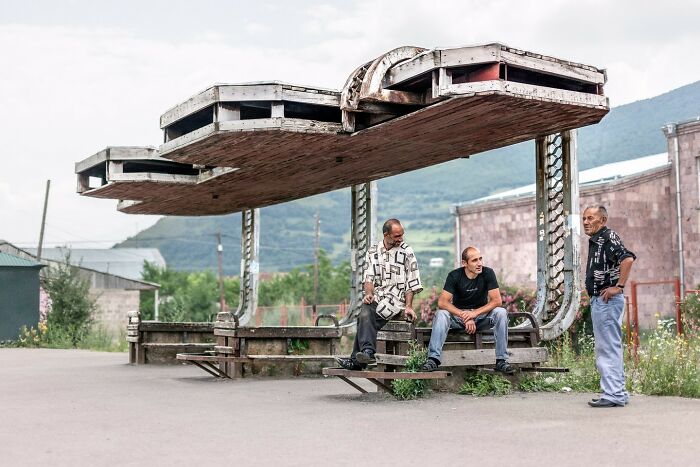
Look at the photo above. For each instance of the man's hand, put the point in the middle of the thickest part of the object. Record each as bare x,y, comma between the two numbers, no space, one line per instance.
609,293
470,326
410,314
369,298
468,315
468,320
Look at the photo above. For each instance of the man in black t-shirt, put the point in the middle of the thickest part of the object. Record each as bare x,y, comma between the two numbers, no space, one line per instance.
471,301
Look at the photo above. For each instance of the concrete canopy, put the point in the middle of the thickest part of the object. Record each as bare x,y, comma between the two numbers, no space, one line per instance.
252,145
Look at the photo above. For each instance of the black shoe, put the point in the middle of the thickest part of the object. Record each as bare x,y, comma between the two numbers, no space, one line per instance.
504,367
603,403
365,357
349,364
429,365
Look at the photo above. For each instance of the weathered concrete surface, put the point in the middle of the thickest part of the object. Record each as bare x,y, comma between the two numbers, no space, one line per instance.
62,407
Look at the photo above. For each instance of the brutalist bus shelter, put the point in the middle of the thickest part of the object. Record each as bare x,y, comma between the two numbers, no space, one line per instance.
239,147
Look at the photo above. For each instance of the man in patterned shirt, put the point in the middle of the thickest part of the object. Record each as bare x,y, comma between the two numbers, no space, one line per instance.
607,269
390,279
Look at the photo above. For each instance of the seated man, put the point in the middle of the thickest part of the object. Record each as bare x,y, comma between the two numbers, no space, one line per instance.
470,301
390,279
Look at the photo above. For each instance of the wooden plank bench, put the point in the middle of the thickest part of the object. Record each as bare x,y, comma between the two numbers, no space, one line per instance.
379,377
209,361
462,352
271,350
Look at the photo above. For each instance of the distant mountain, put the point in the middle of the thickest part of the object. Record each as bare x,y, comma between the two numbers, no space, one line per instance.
421,199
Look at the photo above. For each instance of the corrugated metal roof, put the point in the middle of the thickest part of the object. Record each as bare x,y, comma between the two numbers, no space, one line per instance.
9,260
601,174
124,262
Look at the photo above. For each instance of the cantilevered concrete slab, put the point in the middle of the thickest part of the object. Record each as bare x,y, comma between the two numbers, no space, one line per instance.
138,172
408,109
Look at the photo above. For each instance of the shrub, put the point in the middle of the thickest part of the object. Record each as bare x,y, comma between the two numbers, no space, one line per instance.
428,306
412,388
72,308
690,309
516,299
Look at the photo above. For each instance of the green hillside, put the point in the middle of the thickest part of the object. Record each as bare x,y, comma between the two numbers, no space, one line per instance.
421,199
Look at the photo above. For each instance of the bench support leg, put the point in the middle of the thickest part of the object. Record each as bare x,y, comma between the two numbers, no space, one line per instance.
212,370
359,388
381,386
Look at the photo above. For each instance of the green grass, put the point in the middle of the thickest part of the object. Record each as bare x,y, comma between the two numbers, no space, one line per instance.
485,384
667,365
97,339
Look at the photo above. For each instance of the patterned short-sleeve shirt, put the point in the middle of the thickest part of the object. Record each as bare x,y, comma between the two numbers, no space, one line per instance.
392,272
605,252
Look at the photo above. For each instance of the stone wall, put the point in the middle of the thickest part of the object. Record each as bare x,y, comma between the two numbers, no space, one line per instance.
640,210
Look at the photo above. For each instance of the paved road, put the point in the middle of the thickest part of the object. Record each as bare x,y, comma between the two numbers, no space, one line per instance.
65,407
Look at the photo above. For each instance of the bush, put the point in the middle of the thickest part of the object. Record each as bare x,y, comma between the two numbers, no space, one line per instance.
690,311
412,388
72,308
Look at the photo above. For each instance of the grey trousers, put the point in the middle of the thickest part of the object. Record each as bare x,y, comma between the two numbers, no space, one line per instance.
368,324
444,321
607,330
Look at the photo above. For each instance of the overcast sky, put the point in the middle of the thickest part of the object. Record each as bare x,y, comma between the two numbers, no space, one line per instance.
77,76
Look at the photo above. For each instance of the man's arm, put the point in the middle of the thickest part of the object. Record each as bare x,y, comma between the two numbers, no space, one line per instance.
625,268
369,292
495,300
445,303
410,314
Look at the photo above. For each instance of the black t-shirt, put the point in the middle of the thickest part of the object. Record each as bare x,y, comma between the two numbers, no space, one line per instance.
469,294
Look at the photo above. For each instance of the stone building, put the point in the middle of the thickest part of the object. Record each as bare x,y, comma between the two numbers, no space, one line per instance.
645,208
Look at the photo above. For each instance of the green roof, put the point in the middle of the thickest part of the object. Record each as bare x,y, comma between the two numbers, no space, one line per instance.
15,261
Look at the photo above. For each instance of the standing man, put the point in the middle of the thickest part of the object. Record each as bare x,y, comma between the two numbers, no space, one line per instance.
390,279
607,269
471,301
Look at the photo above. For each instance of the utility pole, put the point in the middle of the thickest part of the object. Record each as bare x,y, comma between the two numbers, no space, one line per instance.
317,222
43,221
219,252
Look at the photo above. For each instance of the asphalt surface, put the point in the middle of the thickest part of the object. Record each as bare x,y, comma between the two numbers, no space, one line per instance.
70,407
